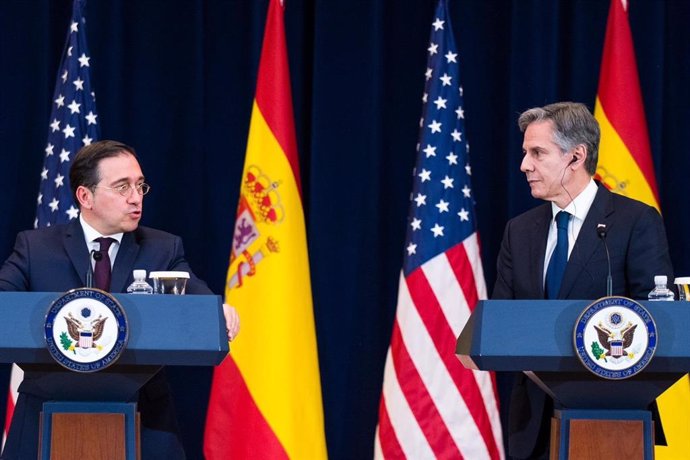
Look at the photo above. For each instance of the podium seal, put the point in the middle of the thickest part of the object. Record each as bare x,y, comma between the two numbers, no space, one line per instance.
86,330
615,337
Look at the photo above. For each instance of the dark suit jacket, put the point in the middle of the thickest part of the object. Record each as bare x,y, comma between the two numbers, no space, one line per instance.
56,259
637,243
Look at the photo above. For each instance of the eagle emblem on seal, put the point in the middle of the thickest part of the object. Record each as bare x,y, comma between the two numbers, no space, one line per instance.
616,342
85,334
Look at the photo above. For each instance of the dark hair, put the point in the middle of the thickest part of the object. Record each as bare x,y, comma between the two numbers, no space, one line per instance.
84,169
573,124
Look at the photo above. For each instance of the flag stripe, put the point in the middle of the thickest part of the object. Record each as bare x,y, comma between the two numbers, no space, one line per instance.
420,400
405,431
448,291
452,300
16,377
459,264
221,424
388,443
446,395
473,254
9,412
443,338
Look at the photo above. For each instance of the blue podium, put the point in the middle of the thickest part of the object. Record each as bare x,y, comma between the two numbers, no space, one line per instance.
536,337
163,330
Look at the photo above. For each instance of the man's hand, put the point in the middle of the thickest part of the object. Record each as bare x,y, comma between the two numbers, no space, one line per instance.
232,321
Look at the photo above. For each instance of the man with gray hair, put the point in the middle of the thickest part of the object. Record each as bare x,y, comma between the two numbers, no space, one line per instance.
555,252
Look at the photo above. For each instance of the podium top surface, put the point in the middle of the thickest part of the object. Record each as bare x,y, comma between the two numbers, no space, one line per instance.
163,329
537,335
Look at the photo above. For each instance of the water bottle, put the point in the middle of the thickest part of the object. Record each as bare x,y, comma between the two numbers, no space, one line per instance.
139,286
660,291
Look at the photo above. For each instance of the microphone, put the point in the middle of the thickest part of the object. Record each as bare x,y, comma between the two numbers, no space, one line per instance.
97,256
601,231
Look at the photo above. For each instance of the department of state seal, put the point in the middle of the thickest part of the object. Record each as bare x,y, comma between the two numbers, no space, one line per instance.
615,337
86,330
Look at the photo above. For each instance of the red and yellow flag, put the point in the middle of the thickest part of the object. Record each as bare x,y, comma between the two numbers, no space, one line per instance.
625,166
625,158
266,396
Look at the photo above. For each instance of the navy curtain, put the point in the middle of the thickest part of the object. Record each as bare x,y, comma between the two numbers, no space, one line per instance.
175,79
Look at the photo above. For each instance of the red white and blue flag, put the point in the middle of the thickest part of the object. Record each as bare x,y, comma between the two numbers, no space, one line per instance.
431,406
73,124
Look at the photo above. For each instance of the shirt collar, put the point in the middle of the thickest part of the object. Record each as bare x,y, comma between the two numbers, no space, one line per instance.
579,206
91,233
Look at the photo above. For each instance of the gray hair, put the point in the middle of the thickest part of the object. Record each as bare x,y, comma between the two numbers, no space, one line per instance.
573,124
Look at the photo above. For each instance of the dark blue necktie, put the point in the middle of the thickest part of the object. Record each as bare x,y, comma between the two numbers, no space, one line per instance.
559,258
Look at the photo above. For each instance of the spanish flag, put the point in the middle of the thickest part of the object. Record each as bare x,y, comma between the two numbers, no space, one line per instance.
266,396
625,158
625,166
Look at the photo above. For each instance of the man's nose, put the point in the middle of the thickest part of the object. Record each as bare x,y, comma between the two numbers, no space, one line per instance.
526,164
134,196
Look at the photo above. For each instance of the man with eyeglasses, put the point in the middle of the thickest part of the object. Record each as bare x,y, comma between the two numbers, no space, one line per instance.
109,188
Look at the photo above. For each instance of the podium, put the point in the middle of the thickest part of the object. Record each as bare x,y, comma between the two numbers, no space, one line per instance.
163,330
600,418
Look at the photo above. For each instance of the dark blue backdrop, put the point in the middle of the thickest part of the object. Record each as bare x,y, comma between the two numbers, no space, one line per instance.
175,79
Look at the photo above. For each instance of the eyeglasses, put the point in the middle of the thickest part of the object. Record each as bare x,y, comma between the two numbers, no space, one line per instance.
124,189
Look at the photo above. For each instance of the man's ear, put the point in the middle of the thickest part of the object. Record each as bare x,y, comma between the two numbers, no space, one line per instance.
579,154
84,197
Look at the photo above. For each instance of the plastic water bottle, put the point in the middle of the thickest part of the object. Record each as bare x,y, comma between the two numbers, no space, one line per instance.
660,291
139,286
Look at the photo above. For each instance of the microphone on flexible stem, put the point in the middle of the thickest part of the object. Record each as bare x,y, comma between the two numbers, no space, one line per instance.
97,255
601,231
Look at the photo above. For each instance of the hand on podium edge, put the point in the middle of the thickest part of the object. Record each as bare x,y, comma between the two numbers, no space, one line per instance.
232,321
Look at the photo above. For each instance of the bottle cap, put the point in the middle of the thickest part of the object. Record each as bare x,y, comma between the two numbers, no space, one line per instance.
660,279
139,274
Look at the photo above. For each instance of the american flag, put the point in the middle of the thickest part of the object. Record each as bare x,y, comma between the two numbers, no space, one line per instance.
431,406
73,124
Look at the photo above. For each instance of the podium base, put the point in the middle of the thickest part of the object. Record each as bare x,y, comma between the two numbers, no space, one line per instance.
107,431
587,434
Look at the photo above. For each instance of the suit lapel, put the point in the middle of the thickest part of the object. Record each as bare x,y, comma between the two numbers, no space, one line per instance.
587,240
124,262
75,247
537,250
